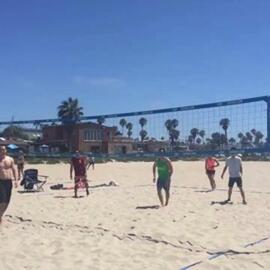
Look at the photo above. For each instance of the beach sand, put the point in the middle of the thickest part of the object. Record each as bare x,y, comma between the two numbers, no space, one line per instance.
121,227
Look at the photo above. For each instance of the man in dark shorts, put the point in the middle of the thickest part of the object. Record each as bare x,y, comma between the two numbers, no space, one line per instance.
7,173
164,168
78,163
234,164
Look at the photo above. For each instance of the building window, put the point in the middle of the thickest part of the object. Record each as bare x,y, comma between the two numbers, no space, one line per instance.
92,135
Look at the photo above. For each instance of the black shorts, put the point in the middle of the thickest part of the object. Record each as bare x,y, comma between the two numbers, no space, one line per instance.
164,184
237,180
210,172
5,190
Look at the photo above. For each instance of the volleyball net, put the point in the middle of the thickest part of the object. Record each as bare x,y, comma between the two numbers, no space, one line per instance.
238,124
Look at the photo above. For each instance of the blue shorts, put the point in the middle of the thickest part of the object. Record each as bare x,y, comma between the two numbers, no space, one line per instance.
164,184
237,180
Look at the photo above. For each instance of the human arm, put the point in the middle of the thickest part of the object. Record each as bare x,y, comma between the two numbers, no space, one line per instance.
217,163
154,172
14,173
241,169
224,170
170,166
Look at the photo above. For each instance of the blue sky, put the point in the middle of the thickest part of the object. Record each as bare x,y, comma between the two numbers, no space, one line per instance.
121,56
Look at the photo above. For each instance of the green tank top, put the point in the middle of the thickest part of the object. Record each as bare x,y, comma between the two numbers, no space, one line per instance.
163,169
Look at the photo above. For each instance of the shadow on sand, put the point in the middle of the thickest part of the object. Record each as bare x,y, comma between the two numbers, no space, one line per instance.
68,197
221,202
204,191
148,207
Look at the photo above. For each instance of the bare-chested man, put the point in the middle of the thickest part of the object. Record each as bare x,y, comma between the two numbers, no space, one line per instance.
7,174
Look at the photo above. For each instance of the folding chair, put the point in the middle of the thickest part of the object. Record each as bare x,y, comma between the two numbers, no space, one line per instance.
31,180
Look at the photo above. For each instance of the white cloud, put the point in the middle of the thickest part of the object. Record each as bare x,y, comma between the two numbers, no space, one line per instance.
101,81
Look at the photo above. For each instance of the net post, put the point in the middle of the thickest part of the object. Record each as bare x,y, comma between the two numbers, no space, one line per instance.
267,100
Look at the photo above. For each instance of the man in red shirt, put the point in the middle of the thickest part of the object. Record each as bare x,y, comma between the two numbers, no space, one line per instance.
78,164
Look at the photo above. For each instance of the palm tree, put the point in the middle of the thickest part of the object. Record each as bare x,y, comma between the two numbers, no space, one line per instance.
253,131
129,127
168,124
258,137
198,140
142,122
202,134
174,123
194,132
143,134
101,120
232,140
240,135
123,123
249,137
171,125
69,113
224,123
190,139
216,139
174,135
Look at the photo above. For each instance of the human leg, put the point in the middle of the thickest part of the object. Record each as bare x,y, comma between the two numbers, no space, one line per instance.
240,186
160,198
166,187
159,188
212,181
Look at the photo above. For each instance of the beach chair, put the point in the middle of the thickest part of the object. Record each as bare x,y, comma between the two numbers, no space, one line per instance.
32,181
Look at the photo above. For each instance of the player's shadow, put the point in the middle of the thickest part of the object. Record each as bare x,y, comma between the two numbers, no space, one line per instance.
221,202
203,191
68,197
148,207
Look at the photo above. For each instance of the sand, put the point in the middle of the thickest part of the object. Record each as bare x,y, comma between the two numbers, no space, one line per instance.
122,228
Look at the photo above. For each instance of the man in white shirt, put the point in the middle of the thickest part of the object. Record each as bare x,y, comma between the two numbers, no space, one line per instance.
234,163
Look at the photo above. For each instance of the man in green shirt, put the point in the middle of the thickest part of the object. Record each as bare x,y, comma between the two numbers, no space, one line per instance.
164,168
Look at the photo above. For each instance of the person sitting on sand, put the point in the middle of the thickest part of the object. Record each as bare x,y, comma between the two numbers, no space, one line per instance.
234,164
78,164
7,173
164,168
210,164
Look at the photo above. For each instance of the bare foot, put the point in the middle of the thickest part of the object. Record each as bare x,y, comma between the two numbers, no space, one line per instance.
244,202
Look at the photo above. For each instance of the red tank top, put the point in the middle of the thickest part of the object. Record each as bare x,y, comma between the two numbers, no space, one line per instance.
79,164
210,164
